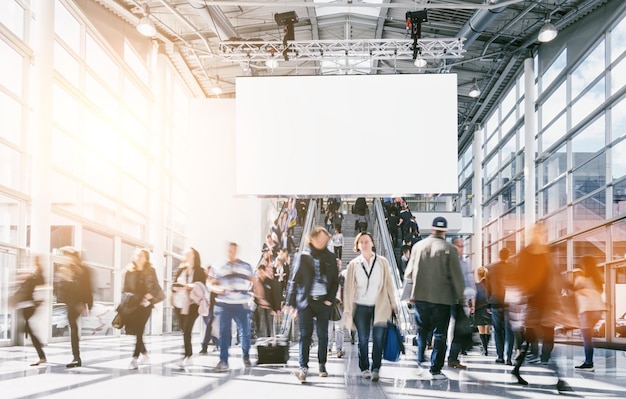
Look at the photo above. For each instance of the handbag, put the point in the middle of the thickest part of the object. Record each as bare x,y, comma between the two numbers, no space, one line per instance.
394,341
117,321
335,312
130,303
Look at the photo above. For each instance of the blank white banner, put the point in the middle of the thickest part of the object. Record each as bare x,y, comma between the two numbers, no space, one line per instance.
346,135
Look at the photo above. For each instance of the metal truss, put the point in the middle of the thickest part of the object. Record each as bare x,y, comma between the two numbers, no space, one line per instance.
318,50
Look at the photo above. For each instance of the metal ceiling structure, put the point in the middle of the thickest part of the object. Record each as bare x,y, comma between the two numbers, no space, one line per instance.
213,42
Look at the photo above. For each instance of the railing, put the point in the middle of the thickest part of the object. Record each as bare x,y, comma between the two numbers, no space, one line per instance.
384,247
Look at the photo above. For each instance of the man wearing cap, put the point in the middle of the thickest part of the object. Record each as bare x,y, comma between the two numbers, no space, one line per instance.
437,285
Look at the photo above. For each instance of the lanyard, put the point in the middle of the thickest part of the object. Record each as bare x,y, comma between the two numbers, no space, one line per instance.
370,273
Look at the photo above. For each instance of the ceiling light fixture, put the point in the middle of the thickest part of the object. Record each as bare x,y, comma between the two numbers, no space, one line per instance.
420,62
547,32
146,26
217,89
272,62
474,90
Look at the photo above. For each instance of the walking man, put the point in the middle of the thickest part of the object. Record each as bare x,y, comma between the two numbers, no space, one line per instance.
437,286
312,289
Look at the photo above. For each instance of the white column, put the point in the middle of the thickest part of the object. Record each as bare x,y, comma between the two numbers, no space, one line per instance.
477,198
530,130
157,199
40,138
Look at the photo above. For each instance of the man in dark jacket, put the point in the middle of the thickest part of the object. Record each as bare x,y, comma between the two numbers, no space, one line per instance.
313,285
503,333
75,291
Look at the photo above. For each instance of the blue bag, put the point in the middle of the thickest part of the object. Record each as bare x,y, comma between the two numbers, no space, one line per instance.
394,341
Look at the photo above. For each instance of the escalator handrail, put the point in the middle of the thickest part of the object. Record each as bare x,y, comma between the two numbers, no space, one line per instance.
407,321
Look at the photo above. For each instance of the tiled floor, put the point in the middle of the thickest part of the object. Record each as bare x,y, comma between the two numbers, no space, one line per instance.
105,374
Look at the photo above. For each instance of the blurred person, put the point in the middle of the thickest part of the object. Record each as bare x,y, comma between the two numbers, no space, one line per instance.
540,284
141,281
499,277
235,285
24,301
189,272
270,245
328,220
312,288
405,222
482,314
588,292
292,213
209,334
469,294
337,241
337,219
406,255
75,290
438,285
281,269
393,223
335,327
275,229
369,300
267,312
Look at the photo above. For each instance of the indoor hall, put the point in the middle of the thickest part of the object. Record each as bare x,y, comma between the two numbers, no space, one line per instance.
104,374
114,138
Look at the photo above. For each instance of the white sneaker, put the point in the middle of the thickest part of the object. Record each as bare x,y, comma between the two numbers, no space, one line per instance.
366,374
133,364
438,376
144,359
375,375
187,362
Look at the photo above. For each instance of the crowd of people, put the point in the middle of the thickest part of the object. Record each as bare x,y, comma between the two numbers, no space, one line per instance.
521,302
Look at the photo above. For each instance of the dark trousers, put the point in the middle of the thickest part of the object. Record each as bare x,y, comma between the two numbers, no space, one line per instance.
435,318
142,314
502,332
363,319
320,312
28,313
338,252
186,322
72,317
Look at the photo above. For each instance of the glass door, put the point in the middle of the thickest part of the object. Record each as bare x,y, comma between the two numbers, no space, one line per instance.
8,265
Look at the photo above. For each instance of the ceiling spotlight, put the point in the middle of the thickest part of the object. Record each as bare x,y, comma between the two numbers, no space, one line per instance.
474,90
547,32
420,62
216,90
146,26
271,63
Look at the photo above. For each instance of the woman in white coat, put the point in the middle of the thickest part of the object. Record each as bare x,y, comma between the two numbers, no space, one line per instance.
369,299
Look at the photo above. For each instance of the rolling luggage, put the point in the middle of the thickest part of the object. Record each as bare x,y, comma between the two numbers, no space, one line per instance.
275,349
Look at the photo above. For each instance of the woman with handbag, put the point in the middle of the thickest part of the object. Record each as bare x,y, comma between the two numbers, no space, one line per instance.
588,293
142,290
23,300
482,314
189,272
369,299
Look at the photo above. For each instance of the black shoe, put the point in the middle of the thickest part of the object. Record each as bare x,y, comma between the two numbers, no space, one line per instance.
203,352
563,386
501,361
73,363
246,362
509,363
585,367
520,380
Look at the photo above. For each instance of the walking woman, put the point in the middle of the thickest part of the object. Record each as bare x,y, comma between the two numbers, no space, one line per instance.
23,299
369,298
540,284
189,272
141,284
482,314
588,293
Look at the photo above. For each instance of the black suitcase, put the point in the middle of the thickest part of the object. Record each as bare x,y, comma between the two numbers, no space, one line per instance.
275,349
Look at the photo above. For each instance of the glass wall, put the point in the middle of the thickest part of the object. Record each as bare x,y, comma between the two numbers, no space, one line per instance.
113,167
580,163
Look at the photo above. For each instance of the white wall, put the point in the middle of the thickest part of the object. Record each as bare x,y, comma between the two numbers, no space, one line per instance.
216,216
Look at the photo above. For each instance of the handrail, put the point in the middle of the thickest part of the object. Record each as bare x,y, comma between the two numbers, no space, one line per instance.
381,234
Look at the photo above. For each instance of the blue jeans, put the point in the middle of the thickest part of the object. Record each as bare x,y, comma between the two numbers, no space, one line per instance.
321,313
433,317
241,314
363,319
502,331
